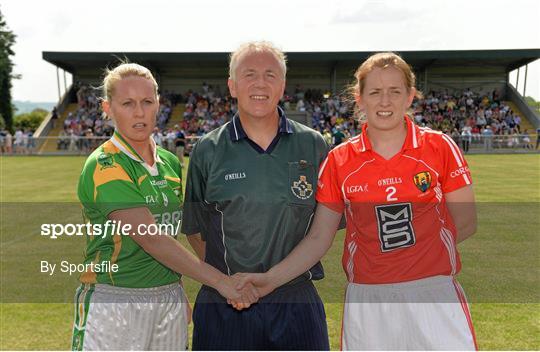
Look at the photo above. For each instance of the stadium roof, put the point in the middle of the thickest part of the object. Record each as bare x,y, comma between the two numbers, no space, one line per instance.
74,62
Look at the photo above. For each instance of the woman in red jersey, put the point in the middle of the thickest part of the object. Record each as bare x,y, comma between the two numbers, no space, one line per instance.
407,195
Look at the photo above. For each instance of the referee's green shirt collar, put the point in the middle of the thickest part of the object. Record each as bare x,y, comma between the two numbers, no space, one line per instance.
237,131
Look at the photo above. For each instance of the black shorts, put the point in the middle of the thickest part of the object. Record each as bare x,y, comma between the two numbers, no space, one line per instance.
290,318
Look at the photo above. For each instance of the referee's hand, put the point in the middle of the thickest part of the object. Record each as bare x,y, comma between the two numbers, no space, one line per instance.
238,298
259,284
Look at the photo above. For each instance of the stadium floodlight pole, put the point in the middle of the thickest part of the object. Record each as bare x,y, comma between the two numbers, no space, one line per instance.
525,81
65,82
517,80
58,83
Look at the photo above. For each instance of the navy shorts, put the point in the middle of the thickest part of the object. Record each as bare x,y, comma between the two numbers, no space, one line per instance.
290,318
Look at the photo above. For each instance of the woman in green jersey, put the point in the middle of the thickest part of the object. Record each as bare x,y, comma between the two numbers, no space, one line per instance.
131,192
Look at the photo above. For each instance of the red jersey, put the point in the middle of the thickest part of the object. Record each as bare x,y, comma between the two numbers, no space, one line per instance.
398,226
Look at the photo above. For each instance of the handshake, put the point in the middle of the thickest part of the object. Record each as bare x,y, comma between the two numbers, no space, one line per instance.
244,289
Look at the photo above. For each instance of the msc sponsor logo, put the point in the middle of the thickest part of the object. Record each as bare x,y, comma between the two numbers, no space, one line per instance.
422,180
395,226
357,188
235,176
301,188
459,172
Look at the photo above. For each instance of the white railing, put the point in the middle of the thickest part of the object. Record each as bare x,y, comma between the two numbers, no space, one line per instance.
75,145
68,145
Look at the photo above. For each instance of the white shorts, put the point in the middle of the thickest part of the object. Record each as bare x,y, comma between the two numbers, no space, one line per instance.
118,318
426,314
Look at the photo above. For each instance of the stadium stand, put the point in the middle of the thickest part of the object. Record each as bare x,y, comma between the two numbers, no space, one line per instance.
465,116
448,78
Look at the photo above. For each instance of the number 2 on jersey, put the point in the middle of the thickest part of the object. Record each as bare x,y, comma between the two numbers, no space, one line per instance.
390,191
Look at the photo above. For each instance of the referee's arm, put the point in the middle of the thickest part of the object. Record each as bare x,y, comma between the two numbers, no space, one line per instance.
199,246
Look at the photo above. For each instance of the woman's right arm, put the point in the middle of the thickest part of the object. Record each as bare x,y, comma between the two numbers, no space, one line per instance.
169,252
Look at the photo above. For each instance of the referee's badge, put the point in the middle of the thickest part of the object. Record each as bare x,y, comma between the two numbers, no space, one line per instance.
302,189
422,180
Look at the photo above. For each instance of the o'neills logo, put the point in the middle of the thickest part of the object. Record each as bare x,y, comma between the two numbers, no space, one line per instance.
389,181
235,176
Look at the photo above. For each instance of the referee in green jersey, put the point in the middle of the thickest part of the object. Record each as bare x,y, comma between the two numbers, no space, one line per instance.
129,180
250,198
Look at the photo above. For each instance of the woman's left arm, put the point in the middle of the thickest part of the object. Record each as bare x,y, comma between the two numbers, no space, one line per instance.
462,207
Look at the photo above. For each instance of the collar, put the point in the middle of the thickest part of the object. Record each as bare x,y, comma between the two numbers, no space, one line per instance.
411,140
120,142
237,131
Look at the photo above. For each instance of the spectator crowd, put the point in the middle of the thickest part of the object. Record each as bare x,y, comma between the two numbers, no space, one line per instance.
20,142
467,116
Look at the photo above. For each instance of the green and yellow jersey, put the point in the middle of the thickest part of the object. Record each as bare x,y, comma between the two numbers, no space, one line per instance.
115,177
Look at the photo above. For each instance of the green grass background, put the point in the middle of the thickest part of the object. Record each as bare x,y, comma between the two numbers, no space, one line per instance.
501,271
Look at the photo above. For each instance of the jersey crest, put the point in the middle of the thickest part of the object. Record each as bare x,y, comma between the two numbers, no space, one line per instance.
422,180
301,188
105,160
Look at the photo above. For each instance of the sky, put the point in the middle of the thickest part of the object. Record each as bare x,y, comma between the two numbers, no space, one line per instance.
293,25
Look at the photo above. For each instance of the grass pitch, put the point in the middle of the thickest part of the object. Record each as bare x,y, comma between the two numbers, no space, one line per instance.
501,271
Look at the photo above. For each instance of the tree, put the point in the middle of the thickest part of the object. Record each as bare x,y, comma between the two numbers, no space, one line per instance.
7,40
30,120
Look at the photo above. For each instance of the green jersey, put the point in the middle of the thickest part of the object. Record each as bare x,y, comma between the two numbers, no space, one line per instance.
115,177
253,206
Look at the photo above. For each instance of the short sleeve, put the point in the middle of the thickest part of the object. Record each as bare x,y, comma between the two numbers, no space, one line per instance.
322,149
328,192
193,218
455,173
108,188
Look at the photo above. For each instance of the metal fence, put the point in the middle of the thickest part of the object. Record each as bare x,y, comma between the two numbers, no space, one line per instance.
75,145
